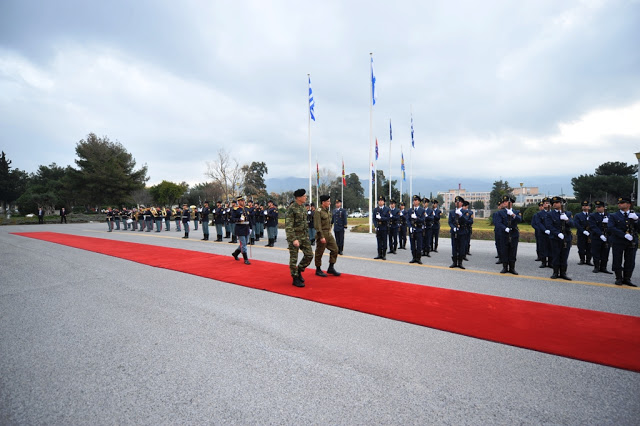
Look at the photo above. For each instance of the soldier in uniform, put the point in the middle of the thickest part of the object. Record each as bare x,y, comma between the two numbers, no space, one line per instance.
204,217
195,215
178,218
271,215
298,237
240,217
538,232
252,222
496,236
218,220
435,229
116,218
167,219
311,210
470,229
624,226
148,219
339,221
558,224
427,231
402,226
394,224
227,224
186,217
158,219
381,217
415,219
507,230
458,221
110,219
600,238
41,215
583,234
322,223
232,225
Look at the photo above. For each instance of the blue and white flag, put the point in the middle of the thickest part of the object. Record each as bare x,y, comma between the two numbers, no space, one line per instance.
312,104
376,149
390,131
412,142
373,84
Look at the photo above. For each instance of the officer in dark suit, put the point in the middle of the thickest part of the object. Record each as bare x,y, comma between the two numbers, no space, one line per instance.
600,238
41,215
496,237
624,226
204,217
402,226
558,224
427,231
394,226
435,229
339,221
507,230
242,229
415,221
459,219
218,220
583,234
381,218
186,218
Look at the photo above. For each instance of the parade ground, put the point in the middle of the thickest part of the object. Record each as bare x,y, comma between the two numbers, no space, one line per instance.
91,338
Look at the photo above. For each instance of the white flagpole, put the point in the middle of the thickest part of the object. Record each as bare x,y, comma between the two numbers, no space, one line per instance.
401,172
375,177
342,183
390,159
370,165
411,157
317,179
309,120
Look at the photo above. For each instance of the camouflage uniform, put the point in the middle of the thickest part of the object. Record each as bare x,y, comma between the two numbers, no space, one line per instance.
297,229
322,222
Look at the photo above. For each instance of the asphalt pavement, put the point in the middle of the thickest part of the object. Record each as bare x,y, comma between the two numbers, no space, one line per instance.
92,339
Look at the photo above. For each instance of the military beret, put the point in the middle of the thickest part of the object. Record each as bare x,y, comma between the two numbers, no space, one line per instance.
557,199
324,197
624,200
600,203
299,192
584,203
381,198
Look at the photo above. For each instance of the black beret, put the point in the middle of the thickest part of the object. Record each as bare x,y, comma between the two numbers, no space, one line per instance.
324,197
299,192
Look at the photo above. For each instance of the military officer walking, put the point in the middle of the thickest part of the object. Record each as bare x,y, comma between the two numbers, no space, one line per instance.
583,234
339,220
324,238
624,226
600,238
558,224
242,229
298,237
381,217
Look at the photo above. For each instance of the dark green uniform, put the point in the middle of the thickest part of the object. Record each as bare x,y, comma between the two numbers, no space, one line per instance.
322,223
297,229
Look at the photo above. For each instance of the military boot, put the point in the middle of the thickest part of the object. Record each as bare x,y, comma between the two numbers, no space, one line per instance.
505,268
556,273
603,268
549,264
186,235
379,256
413,259
252,242
563,273
384,255
596,266
219,237
512,268
418,260
300,271
544,262
297,282
246,259
332,270
226,234
581,259
269,243
455,262
460,258
618,277
235,254
626,280
587,260
319,272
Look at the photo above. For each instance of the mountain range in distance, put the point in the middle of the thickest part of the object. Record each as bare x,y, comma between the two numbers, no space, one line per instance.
548,185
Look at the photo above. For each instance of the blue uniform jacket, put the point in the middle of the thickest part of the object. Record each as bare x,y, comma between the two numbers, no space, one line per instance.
385,215
339,219
556,225
418,222
240,216
581,221
460,222
597,225
619,226
504,221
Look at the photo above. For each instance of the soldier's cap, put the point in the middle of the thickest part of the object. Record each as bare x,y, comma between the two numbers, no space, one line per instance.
506,198
416,197
324,197
402,204
459,199
392,201
206,202
622,200
557,199
299,192
270,202
435,201
381,198
546,200
233,201
540,203
466,203
219,202
240,197
584,203
426,200
600,204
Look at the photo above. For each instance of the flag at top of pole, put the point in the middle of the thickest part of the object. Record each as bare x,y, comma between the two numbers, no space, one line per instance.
404,177
373,84
317,175
312,104
344,179
390,131
373,174
413,145
376,149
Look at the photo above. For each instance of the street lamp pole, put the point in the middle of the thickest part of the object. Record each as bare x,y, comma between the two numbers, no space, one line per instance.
522,194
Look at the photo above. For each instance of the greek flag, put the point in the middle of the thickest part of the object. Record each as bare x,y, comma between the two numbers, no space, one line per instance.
376,149
373,84
412,142
312,104
373,175
390,131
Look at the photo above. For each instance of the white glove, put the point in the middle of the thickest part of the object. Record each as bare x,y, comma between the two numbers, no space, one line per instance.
410,230
507,230
547,232
458,212
413,216
633,216
510,212
455,229
401,214
628,237
564,217
586,233
561,236
378,216
605,220
603,238
241,218
265,213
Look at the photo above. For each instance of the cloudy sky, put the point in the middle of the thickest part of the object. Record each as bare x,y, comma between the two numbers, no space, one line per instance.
497,88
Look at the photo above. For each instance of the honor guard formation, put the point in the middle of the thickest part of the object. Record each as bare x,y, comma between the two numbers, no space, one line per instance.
597,234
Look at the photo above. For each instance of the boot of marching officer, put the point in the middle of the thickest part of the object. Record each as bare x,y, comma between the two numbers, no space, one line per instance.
324,237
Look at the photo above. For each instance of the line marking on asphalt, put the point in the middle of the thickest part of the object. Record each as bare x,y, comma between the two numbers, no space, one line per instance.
396,262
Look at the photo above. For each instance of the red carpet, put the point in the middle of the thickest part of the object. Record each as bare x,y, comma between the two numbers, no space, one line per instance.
599,337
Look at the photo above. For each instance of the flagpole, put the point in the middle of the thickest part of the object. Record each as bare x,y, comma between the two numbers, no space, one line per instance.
317,178
401,172
343,180
411,156
370,142
309,120
390,139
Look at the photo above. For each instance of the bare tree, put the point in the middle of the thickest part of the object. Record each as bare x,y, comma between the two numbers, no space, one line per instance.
226,172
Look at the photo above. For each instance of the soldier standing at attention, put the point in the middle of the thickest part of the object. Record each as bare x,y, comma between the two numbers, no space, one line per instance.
624,226
394,220
496,237
204,217
558,225
339,220
218,220
148,219
435,229
381,217
322,223
402,228
458,221
600,238
178,218
298,237
240,217
583,234
415,219
110,219
469,229
507,230
272,222
186,217
427,232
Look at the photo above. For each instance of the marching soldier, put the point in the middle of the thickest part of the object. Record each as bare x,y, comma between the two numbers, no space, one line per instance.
339,220
240,217
402,226
507,230
322,224
394,224
624,226
204,217
272,222
600,238
186,218
583,234
415,219
381,217
435,229
558,225
298,237
458,221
